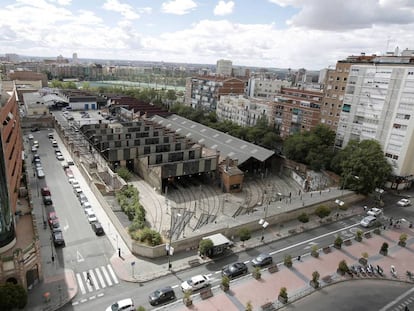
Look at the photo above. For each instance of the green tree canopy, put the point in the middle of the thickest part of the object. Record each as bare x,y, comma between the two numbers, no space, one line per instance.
364,167
314,148
12,296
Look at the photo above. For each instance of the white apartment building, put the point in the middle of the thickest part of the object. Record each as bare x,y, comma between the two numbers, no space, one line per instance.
266,88
244,111
379,104
224,67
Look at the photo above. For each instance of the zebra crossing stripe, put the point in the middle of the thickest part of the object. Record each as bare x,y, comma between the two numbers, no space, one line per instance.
94,281
82,288
106,275
88,285
113,274
101,280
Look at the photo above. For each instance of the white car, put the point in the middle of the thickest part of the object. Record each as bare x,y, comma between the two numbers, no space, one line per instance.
404,202
31,137
122,305
374,212
90,214
195,283
368,221
60,157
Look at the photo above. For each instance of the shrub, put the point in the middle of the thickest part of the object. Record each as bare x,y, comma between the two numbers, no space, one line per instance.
283,293
338,241
315,276
288,261
358,236
314,251
403,238
384,247
303,218
342,266
249,306
225,281
124,173
205,246
244,234
322,211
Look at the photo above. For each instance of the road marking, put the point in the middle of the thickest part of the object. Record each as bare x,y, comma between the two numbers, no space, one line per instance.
106,275
246,262
396,300
101,295
83,300
101,280
112,274
174,286
310,245
78,276
92,297
94,282
88,285
79,257
311,240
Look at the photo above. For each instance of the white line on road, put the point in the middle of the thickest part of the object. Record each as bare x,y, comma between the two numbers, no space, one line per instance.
98,273
80,282
112,274
313,239
396,300
174,286
106,275
94,282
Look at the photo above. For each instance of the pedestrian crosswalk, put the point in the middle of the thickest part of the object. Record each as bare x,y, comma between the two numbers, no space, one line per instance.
96,279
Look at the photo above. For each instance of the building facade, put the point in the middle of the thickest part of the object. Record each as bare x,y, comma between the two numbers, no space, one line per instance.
266,88
243,110
379,105
224,67
203,92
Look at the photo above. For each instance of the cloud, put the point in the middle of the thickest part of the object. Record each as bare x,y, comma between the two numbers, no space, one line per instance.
351,14
178,7
224,8
124,9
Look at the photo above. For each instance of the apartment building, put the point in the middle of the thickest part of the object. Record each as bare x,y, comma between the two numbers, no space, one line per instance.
266,88
224,67
334,88
379,104
298,110
243,110
203,92
19,244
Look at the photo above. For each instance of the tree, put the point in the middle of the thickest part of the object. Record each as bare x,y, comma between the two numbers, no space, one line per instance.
124,173
205,246
12,296
313,148
244,234
365,167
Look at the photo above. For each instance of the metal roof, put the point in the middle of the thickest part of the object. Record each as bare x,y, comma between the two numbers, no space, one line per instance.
228,145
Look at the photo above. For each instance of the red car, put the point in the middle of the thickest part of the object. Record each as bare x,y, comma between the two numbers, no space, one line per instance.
53,220
45,191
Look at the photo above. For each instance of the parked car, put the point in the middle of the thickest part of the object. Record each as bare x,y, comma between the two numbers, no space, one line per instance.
65,165
53,220
82,198
90,214
45,191
57,237
70,162
368,221
54,143
374,212
36,144
404,202
50,135
40,173
47,200
97,228
31,137
262,260
122,305
34,129
235,269
69,173
34,149
195,283
161,296
60,157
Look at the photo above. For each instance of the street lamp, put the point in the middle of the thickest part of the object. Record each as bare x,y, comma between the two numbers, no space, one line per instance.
263,222
168,247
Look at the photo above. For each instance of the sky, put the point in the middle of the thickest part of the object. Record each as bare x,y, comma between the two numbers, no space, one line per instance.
311,34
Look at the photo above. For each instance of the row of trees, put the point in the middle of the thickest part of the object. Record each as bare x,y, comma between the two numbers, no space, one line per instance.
361,164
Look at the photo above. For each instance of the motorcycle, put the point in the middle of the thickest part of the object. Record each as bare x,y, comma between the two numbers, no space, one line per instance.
380,270
393,272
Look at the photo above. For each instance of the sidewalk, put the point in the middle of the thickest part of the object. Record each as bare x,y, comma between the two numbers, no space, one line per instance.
145,269
296,279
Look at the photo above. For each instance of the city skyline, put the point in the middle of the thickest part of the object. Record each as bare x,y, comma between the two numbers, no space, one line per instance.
312,34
